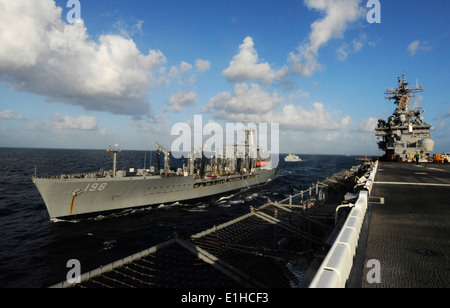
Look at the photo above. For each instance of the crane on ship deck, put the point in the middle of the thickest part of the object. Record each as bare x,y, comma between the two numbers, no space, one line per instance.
166,157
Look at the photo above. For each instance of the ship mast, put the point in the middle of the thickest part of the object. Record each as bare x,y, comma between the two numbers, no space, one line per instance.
402,94
114,151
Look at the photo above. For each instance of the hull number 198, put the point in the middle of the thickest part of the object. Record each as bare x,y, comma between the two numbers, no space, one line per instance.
95,186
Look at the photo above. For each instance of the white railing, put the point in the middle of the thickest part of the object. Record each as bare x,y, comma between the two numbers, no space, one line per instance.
336,267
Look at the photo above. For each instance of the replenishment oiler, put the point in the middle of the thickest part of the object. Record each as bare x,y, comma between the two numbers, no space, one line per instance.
68,196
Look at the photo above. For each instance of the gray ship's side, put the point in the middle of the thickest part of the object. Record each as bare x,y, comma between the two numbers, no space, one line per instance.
96,192
68,197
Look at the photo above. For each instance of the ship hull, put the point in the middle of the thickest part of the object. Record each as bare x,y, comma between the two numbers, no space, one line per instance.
72,197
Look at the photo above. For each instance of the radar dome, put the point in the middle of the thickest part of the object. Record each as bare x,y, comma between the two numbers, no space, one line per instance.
428,144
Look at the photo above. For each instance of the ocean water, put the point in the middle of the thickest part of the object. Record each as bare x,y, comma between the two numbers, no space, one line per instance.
34,251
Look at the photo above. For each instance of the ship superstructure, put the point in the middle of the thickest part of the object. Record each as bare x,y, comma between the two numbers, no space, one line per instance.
292,158
404,134
95,192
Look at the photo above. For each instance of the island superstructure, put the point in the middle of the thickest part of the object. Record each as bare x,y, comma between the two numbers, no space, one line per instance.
404,134
95,192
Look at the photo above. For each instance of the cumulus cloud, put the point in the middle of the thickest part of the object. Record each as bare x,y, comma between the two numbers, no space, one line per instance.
61,122
244,100
176,72
338,15
245,66
11,115
42,54
180,99
202,65
366,126
315,119
255,105
415,46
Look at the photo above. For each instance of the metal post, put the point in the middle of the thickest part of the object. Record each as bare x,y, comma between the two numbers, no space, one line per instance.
114,150
114,163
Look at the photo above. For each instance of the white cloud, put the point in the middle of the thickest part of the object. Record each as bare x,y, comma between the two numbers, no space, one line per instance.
417,102
150,126
128,28
338,15
177,71
10,114
243,101
342,52
202,65
415,46
357,44
255,105
42,54
104,133
182,73
60,122
245,67
315,119
180,99
412,48
366,126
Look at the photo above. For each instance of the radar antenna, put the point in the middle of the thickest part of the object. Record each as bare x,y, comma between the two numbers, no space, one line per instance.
402,94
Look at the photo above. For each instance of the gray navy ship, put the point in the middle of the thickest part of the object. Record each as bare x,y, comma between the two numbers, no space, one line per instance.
96,192
404,134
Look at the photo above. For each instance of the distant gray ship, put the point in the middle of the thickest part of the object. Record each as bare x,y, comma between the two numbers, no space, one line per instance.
292,158
96,192
404,134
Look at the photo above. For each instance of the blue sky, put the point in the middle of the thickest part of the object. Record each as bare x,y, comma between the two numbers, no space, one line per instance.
132,69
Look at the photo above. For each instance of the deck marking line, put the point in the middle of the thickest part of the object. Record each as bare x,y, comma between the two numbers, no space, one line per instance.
411,183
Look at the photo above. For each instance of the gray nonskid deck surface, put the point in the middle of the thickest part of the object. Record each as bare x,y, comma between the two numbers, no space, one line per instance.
410,233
